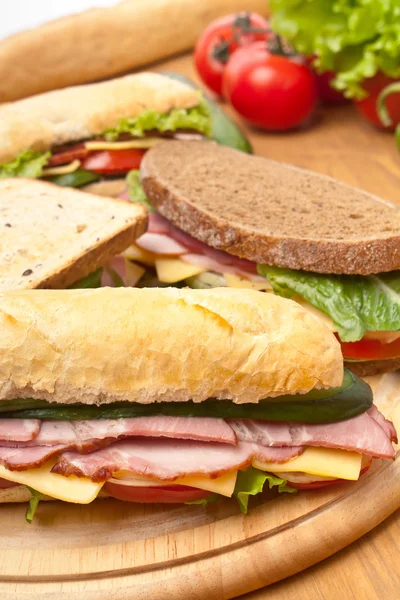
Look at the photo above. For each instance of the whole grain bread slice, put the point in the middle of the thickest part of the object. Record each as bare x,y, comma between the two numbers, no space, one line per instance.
270,212
51,237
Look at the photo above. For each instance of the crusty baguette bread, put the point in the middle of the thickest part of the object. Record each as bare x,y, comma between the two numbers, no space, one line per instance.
80,112
366,368
270,212
149,345
104,42
51,237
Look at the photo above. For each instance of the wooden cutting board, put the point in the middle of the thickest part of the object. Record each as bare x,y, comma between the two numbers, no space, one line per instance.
157,552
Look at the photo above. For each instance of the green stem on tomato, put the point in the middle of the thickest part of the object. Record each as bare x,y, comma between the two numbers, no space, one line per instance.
397,134
393,88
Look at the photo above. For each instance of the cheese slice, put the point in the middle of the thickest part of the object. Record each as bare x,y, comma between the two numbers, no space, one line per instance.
79,490
144,143
63,170
223,485
327,462
133,273
234,281
144,256
171,270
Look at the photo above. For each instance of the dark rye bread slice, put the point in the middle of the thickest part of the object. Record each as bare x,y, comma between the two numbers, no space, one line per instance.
366,368
52,237
270,212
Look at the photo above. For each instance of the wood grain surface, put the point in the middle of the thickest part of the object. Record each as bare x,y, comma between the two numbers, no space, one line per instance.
122,551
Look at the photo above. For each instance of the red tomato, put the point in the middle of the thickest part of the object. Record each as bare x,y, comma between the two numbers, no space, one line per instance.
368,106
271,91
326,92
166,494
370,349
113,162
220,39
66,154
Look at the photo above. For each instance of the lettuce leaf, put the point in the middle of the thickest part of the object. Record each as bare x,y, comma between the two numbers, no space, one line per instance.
196,118
356,304
135,190
204,501
93,280
33,504
354,38
27,164
251,482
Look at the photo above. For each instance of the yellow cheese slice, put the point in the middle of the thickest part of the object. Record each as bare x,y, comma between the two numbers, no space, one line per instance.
223,485
133,273
171,270
317,313
79,490
144,256
63,170
144,143
327,462
233,281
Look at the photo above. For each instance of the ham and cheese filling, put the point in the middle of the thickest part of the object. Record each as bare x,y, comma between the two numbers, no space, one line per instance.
204,453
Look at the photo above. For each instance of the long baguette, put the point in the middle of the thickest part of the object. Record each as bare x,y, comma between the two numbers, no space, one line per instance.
149,345
103,42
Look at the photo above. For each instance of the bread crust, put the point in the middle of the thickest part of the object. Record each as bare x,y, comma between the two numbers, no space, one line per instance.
103,42
77,113
270,212
104,345
53,237
373,367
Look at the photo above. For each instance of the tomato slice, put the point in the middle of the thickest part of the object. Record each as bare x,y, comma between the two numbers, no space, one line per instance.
171,494
370,349
113,162
66,154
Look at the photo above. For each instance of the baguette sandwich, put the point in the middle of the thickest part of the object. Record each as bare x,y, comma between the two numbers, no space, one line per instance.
169,395
224,218
81,135
56,238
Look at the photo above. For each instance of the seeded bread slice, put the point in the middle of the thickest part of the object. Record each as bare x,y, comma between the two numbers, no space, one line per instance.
51,237
270,212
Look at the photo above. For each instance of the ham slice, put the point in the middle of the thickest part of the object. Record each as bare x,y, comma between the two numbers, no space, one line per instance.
276,454
161,459
20,459
386,425
160,244
83,434
19,430
363,434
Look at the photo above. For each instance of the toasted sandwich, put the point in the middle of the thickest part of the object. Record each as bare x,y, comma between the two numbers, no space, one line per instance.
80,135
57,238
177,396
224,218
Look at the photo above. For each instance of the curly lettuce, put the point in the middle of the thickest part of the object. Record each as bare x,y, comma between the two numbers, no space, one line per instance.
136,191
353,38
197,118
28,164
32,505
356,304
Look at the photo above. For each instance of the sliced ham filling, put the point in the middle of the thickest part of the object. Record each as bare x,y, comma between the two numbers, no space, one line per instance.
167,448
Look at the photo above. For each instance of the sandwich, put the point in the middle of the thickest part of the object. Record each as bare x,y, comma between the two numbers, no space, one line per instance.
86,134
175,396
223,218
57,238
103,42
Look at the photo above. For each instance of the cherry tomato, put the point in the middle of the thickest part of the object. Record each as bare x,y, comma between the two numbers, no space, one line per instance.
66,154
171,494
327,94
370,350
271,91
220,39
113,162
368,106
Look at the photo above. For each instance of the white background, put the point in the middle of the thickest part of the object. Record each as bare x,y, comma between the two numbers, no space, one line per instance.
23,14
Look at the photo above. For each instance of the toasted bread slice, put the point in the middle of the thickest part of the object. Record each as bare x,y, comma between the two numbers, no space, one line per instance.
51,237
270,212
